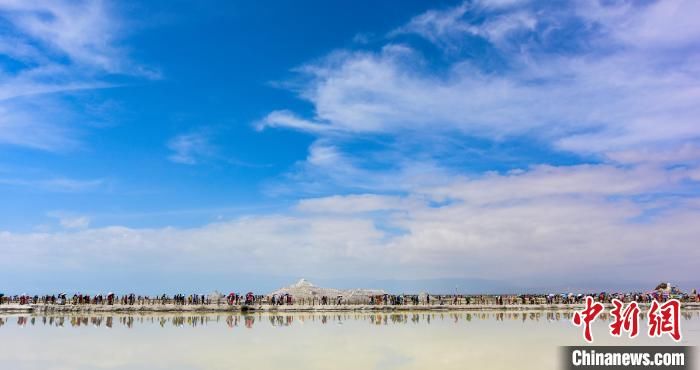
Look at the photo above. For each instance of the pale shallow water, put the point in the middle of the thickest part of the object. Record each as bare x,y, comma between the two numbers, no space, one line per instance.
421,340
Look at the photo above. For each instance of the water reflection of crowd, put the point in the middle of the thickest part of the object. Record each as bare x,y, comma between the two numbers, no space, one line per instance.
285,320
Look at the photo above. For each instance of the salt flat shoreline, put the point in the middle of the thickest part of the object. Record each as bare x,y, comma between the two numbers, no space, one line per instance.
214,308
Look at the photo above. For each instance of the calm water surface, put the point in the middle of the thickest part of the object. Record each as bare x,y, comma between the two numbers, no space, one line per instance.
421,340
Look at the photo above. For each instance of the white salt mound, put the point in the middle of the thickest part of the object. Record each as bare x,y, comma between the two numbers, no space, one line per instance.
305,289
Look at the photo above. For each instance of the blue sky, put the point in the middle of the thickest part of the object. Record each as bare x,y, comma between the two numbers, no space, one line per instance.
474,143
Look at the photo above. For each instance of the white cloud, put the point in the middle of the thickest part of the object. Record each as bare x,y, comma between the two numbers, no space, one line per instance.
39,124
328,169
668,25
531,227
620,94
439,26
499,3
87,32
75,222
190,148
448,28
353,204
67,184
621,99
62,46
55,184
69,220
285,118
549,181
686,153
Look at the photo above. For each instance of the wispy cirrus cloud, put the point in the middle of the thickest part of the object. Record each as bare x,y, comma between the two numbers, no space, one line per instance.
55,184
576,77
190,148
70,220
200,146
288,119
81,31
53,49
40,123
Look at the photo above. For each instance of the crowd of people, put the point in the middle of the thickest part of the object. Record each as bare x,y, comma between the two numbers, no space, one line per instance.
249,298
131,299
